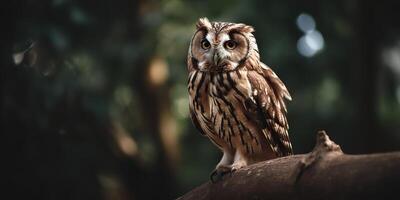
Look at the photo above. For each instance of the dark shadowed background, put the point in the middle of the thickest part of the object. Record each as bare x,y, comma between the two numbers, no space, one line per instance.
94,102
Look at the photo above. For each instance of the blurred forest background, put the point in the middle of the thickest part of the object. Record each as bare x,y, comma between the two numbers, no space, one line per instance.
94,102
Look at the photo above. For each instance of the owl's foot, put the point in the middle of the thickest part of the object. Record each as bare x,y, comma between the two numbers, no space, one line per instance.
223,169
220,172
238,165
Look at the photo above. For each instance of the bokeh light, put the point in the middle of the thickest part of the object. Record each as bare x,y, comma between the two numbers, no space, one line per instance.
312,41
305,22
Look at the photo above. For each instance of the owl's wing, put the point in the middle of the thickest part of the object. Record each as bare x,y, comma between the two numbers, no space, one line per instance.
195,121
205,126
269,108
197,102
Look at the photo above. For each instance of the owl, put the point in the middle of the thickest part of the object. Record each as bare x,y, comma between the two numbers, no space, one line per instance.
235,100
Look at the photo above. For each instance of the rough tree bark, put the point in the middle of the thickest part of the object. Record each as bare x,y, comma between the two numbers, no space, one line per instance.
324,173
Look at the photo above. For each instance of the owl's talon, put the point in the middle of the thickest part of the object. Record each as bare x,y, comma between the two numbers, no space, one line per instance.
219,173
215,176
237,166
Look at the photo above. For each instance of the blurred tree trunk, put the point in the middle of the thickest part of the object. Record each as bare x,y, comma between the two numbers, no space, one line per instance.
10,14
156,112
151,82
364,70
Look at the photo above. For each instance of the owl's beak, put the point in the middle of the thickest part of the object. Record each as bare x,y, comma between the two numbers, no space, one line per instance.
216,59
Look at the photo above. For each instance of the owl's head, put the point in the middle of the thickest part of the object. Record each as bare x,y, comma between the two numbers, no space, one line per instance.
221,46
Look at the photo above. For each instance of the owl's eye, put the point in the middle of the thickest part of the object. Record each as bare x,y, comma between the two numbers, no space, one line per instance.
205,44
230,44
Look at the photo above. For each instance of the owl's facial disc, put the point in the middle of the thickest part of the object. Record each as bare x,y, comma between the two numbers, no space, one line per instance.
219,51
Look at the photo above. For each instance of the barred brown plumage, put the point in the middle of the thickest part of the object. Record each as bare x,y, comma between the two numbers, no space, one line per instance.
235,99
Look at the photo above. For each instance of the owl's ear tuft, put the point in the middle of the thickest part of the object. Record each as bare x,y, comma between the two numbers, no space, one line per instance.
248,29
203,22
242,28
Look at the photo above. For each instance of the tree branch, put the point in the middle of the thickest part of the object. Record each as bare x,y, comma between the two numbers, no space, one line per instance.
324,173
